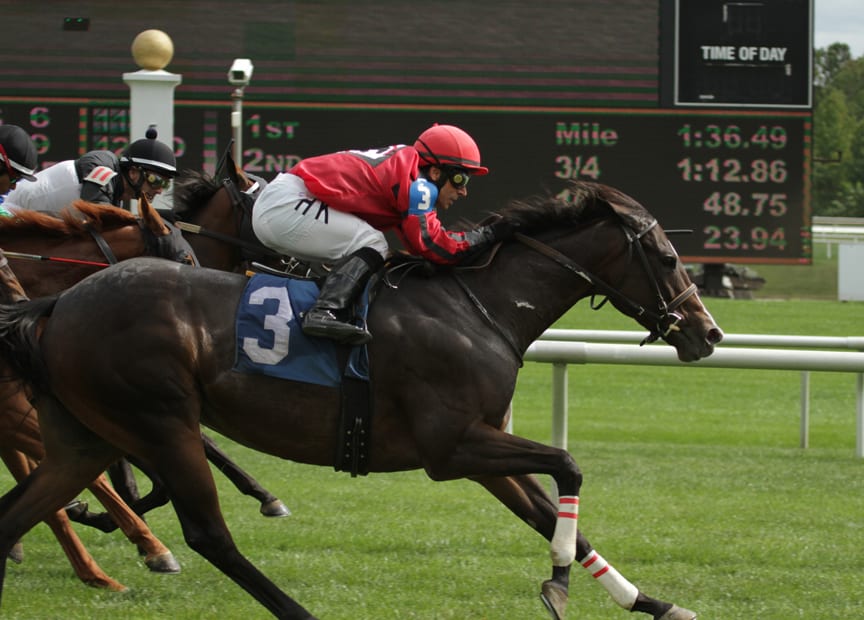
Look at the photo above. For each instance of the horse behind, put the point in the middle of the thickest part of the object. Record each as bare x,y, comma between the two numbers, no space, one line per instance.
443,407
51,254
215,215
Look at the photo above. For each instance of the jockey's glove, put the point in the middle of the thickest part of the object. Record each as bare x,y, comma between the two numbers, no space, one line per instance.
502,230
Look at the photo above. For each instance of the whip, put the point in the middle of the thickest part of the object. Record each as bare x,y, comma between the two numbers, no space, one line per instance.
54,259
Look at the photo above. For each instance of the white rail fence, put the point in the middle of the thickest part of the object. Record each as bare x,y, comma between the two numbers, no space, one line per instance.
561,347
831,230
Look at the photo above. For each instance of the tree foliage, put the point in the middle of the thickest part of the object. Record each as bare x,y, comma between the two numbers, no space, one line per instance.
838,132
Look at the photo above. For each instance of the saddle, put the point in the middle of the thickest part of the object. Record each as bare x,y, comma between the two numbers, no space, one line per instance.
311,360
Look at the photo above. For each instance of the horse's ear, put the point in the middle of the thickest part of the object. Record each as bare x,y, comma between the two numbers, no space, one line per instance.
151,218
626,208
231,168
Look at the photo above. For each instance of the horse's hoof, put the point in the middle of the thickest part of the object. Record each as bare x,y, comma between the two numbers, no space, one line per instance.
163,563
76,509
275,508
16,553
554,597
678,613
106,583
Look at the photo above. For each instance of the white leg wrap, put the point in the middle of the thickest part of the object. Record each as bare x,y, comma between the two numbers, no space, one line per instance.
563,547
622,591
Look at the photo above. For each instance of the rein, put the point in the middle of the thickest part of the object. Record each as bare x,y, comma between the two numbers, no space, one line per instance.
665,318
489,318
106,250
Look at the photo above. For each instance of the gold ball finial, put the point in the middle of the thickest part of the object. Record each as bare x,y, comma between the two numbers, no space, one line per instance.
152,50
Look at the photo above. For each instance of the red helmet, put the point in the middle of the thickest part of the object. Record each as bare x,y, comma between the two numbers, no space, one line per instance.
446,145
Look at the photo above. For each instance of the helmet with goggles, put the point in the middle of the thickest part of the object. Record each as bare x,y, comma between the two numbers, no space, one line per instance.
150,154
17,152
447,146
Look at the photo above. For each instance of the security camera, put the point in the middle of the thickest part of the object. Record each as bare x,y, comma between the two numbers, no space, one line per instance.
240,73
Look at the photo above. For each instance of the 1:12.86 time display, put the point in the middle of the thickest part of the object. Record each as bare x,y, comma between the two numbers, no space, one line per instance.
733,170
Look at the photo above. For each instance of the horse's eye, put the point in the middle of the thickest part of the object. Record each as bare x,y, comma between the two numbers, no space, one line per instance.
670,261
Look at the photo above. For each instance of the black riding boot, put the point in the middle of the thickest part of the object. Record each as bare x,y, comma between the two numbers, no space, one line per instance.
332,313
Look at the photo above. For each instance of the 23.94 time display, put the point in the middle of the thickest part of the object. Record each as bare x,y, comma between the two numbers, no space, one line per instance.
738,238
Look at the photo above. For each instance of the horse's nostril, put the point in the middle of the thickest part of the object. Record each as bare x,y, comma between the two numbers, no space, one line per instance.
714,335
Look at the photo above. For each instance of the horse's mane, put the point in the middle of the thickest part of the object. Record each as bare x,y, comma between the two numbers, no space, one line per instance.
585,202
75,220
192,189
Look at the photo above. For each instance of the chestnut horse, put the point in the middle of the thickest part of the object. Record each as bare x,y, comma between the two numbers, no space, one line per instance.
443,365
20,439
85,239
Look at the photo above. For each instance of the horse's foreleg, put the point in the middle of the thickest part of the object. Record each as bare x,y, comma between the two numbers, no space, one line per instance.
157,556
271,506
528,500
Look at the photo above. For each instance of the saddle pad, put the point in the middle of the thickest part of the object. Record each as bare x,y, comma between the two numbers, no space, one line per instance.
270,340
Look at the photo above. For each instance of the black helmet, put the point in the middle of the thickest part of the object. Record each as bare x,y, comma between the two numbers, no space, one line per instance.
150,154
20,151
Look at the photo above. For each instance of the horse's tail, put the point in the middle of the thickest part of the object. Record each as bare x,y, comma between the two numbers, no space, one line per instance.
19,338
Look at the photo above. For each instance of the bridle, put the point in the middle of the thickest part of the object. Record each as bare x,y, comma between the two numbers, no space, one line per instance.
665,319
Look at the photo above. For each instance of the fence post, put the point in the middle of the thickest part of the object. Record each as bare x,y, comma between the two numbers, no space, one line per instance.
859,416
559,405
805,408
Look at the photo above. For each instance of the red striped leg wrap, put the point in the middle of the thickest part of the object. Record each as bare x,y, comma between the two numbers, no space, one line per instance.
563,546
622,591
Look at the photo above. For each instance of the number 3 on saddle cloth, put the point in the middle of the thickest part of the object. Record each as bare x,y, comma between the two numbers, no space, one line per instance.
270,341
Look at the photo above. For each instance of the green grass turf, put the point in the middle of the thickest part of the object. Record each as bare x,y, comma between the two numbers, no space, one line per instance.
695,489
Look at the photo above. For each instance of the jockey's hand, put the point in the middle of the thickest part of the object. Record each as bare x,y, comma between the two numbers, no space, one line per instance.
502,230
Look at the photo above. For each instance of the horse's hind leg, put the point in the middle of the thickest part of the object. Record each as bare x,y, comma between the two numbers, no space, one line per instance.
85,567
63,473
123,480
271,506
182,466
526,498
157,556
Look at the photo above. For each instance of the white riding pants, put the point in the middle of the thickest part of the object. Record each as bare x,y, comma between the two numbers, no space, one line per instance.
290,220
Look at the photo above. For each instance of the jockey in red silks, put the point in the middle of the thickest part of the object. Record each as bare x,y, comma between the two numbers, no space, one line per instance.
333,208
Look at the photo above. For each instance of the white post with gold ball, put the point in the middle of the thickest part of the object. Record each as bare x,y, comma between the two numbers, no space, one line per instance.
151,89
151,96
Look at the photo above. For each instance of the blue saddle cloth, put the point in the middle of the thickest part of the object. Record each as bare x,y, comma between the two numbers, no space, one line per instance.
270,340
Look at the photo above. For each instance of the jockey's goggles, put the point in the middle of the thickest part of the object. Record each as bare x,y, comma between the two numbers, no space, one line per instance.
155,181
458,177
10,171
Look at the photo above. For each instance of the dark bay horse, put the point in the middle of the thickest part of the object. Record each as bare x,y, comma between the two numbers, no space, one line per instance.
443,367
